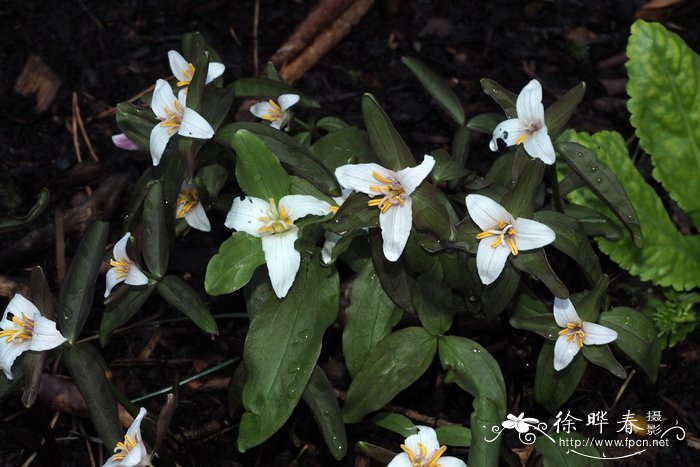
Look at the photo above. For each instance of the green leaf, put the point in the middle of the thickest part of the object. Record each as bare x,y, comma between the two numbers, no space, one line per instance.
87,368
216,104
121,310
504,98
544,325
594,223
155,234
558,114
42,200
435,303
320,398
234,392
460,145
195,90
282,346
520,201
349,145
485,123
535,262
395,422
663,88
368,318
41,294
567,450
181,295
78,289
664,247
602,356
437,88
396,282
454,435
213,177
395,363
552,387
636,338
389,147
194,44
262,87
485,416
136,122
375,452
230,269
331,124
258,170
446,168
429,213
354,214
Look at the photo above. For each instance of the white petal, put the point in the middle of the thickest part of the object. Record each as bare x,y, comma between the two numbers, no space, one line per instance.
160,136
135,276
260,109
178,65
18,305
359,176
396,228
401,460
9,353
277,123
490,261
411,177
298,206
427,437
163,98
119,250
282,260
485,212
509,131
564,312
539,146
331,241
45,335
564,352
531,234
124,142
448,461
509,424
134,430
595,334
138,455
194,125
529,104
111,280
285,101
182,97
215,70
197,218
245,215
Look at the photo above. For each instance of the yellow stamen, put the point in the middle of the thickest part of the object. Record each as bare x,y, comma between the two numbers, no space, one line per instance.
436,457
504,233
574,331
334,209
277,221
173,118
23,331
522,138
122,449
273,113
121,267
187,200
189,73
420,459
381,178
392,190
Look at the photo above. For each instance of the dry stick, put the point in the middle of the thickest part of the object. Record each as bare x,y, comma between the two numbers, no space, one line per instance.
60,246
113,110
325,41
74,130
81,429
83,131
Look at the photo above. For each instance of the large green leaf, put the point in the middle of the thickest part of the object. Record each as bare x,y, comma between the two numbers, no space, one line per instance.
282,346
136,122
389,147
230,269
485,416
121,310
552,387
437,88
664,90
664,247
181,295
535,262
78,290
155,232
320,398
503,97
349,145
258,170
395,363
567,450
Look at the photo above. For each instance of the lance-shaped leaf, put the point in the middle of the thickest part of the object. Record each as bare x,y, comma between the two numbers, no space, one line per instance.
87,368
435,302
395,422
485,123
230,269
320,398
216,104
498,93
437,88
155,234
460,145
559,113
429,213
282,346
389,147
78,289
368,318
258,170
349,145
41,294
593,222
446,168
535,262
553,388
42,200
395,363
354,214
331,124
603,182
454,435
485,416
120,310
181,295
262,87
556,449
520,201
374,452
636,337
136,122
602,356
194,45
395,280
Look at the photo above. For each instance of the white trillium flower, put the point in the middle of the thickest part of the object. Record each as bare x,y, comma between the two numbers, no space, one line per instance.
132,451
184,71
529,128
190,208
423,450
502,235
395,189
273,112
174,117
23,328
576,333
123,269
521,423
274,224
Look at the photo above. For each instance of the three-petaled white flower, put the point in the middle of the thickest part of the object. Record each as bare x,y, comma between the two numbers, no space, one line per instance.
175,117
576,333
423,450
511,235
395,189
23,328
123,269
528,128
190,208
273,112
132,451
274,224
521,423
184,71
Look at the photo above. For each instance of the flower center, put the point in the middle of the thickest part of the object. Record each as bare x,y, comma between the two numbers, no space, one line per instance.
274,112
532,128
276,221
121,267
505,235
421,459
122,449
173,118
188,73
391,189
574,331
22,332
186,199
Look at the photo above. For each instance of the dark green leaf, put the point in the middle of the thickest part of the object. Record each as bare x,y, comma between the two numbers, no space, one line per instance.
602,356
460,146
544,325
258,169
353,214
331,124
136,122
389,147
320,398
435,303
375,452
180,295
454,435
535,262
558,114
213,177
552,387
497,296
41,293
437,88
593,222
121,310
429,213
505,99
33,364
485,416
195,90
216,104
238,258
194,44
395,422
393,276
155,233
446,168
349,145
567,450
234,391
42,200
520,201
261,87
485,123
589,304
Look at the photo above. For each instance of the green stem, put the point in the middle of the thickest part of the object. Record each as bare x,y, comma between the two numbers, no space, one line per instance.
556,194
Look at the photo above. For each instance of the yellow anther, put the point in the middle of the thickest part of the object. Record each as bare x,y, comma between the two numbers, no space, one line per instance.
482,235
381,178
574,331
23,331
334,209
187,200
433,460
273,113
522,138
189,73
121,450
511,245
121,267
374,202
496,243
277,220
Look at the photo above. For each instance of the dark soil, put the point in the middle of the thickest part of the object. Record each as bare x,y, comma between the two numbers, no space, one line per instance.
108,51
